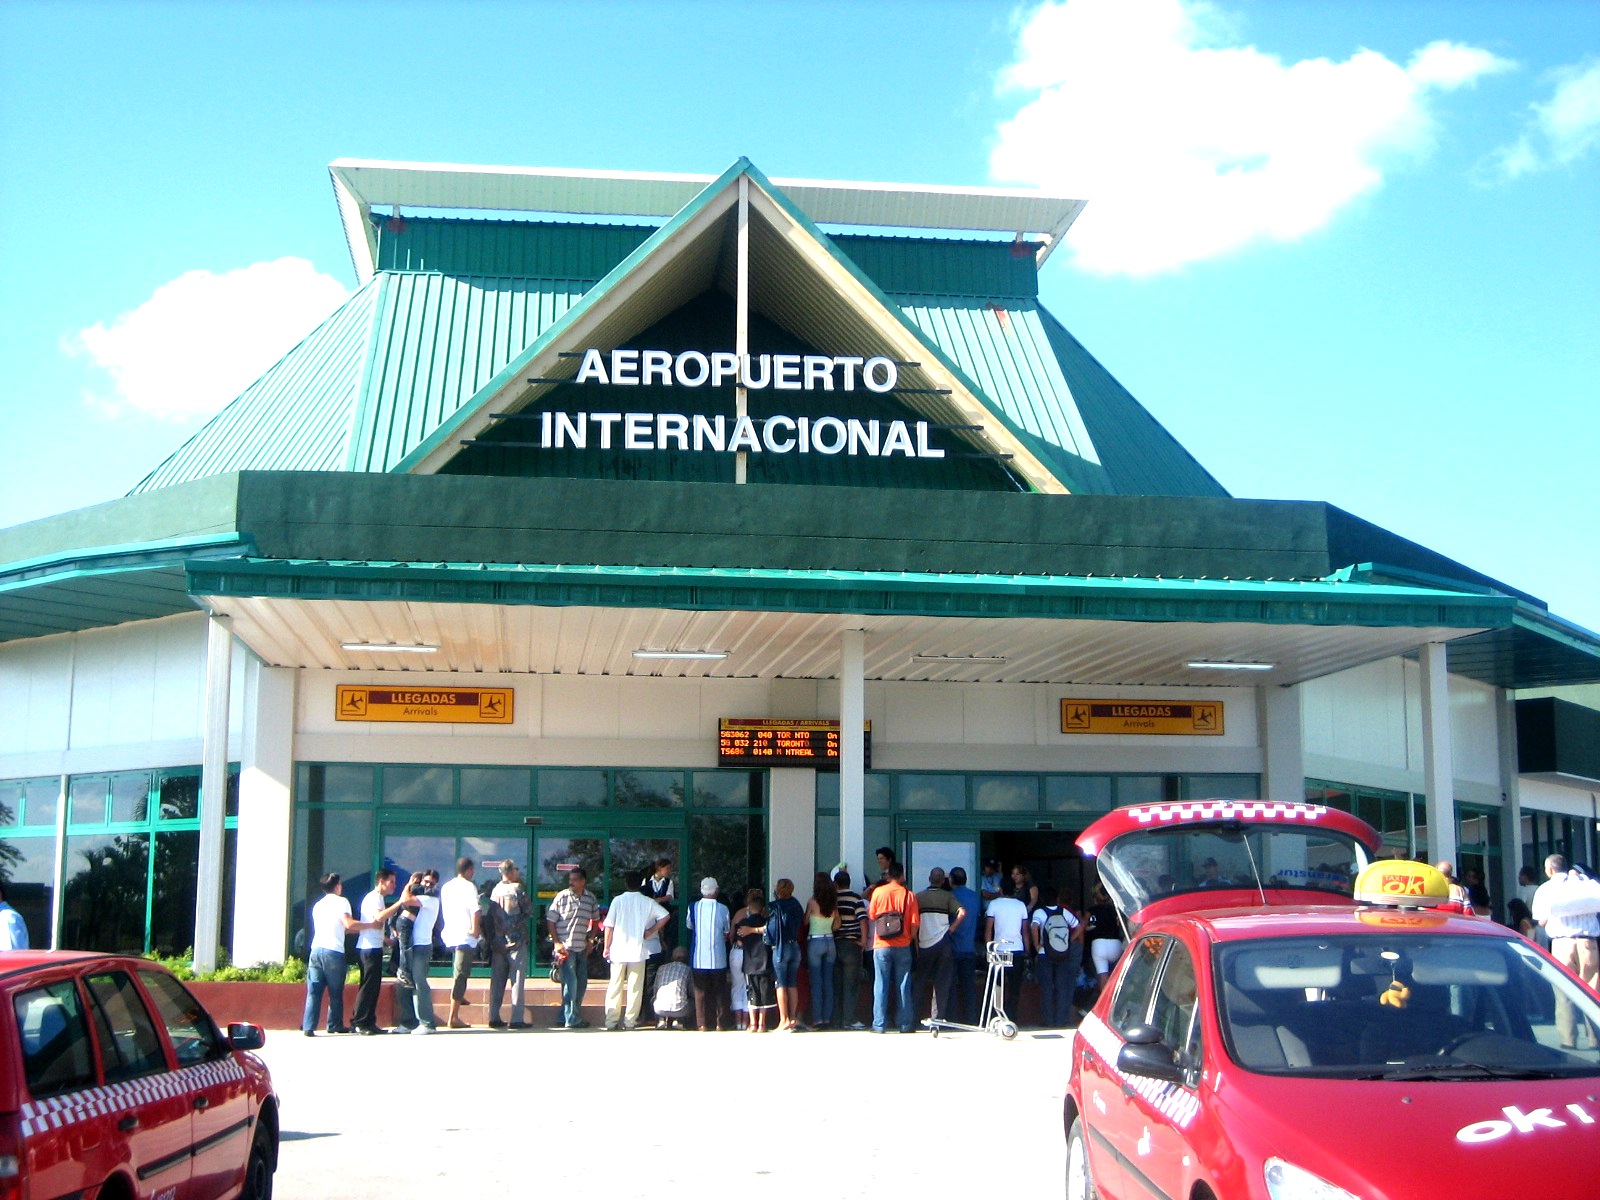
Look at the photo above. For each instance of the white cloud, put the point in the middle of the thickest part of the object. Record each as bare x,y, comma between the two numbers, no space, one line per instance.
203,338
1188,145
1560,131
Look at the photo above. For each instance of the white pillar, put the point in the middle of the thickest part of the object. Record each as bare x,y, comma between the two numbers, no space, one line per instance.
1438,757
266,773
852,753
213,794
1503,889
792,837
1282,744
741,316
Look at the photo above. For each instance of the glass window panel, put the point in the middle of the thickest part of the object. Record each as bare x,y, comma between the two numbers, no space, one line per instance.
1222,787
942,793
1136,989
12,793
231,809
1078,793
418,785
333,840
572,789
194,1037
56,1056
732,849
129,1043
496,787
130,797
826,848
29,867
177,876
1005,793
632,858
649,789
336,783
552,853
180,797
876,831
728,789
41,801
86,799
1145,789
103,905
877,788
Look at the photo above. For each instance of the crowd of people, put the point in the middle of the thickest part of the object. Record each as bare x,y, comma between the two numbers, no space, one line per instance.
750,962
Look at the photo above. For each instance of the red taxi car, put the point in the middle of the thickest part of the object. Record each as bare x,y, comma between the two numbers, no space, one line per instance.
1290,1022
115,1083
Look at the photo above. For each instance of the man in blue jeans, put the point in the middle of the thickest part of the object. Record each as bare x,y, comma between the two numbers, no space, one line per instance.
965,937
330,922
895,917
570,917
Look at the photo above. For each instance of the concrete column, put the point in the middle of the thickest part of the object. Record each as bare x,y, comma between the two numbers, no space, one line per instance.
852,756
1282,744
1503,889
1438,756
792,835
266,819
213,794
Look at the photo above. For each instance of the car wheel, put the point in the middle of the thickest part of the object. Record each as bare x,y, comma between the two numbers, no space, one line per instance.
1080,1185
258,1167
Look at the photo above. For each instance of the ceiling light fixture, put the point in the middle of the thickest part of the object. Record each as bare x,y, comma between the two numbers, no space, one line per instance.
710,655
388,647
957,658
1231,666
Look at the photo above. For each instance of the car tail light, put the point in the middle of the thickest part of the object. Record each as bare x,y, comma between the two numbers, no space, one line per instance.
10,1158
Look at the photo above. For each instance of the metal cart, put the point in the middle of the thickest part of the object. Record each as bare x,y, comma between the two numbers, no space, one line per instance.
992,1016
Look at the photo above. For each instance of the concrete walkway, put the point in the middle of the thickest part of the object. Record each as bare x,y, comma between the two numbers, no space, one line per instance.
669,1114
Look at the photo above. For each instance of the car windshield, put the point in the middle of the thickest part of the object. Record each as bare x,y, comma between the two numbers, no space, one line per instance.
1157,863
1412,1006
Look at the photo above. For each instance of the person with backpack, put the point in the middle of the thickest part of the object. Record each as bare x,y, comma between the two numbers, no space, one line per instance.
506,931
1056,936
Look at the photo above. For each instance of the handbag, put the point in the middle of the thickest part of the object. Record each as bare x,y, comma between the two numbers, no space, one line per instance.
889,924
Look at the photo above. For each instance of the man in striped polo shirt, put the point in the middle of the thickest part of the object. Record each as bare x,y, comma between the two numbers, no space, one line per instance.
711,931
570,917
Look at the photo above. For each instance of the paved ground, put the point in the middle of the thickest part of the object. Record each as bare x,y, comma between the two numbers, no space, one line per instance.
721,1114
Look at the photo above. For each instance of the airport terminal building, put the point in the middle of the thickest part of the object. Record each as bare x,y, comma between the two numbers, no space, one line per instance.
749,522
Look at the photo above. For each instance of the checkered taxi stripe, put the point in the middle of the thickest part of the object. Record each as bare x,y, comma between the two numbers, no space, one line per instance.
1227,810
57,1112
1173,1101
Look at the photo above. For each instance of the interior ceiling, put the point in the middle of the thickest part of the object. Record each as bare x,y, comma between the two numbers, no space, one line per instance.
526,639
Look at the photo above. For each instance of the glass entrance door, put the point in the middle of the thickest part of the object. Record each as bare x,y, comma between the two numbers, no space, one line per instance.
406,850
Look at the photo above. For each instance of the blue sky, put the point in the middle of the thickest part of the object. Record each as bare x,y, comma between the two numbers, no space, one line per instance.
1344,251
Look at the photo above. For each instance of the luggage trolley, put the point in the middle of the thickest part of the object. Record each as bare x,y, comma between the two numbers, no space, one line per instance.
992,1016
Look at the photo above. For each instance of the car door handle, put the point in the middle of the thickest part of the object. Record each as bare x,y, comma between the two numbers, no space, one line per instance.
202,1102
128,1124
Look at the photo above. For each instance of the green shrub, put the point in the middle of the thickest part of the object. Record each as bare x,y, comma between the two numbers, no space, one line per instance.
182,966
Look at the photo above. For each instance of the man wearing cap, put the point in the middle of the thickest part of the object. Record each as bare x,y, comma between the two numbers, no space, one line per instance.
710,930
509,955
1563,906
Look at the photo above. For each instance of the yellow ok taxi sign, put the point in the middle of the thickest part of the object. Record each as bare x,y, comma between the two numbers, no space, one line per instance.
1395,881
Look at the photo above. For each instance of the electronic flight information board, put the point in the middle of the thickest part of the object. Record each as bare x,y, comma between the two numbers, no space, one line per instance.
779,742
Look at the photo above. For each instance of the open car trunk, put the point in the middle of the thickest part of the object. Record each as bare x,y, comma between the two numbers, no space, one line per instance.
1206,854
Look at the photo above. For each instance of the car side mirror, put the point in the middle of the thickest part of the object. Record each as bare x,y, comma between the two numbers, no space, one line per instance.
246,1037
1145,1054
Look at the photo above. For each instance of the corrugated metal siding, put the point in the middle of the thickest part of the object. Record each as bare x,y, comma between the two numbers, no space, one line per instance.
438,340
517,249
296,416
1004,350
1139,455
944,267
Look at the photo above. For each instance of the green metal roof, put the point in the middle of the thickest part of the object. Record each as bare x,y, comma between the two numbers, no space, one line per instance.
295,417
944,266
515,249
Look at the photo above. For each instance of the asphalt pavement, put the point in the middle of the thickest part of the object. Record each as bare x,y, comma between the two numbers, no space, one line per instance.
669,1114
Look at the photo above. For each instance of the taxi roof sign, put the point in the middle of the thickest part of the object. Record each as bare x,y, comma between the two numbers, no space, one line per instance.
1394,881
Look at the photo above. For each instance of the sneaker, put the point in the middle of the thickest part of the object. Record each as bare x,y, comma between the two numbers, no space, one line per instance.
309,1032
340,1029
518,1025
580,1023
422,1029
369,1030
858,1025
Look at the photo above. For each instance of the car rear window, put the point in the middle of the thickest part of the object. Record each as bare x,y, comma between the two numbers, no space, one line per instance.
128,1038
55,1039
194,1038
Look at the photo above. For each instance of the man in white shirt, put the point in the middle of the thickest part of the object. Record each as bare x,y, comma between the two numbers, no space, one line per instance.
710,932
330,921
13,930
375,915
458,905
632,919
1004,930
414,999
1566,907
